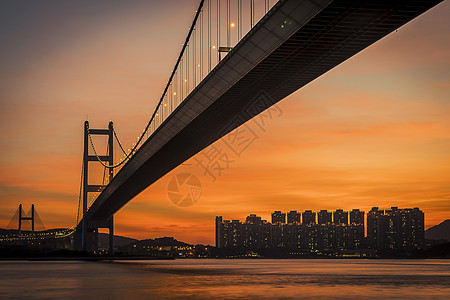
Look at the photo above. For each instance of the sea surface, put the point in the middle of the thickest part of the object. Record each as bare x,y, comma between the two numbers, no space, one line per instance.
227,279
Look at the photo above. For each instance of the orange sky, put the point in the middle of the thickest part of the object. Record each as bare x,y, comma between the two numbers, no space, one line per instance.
374,131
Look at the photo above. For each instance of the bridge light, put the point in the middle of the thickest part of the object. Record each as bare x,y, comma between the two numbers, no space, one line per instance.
214,46
174,93
232,25
225,49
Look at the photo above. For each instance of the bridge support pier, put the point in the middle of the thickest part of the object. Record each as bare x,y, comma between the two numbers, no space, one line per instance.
91,241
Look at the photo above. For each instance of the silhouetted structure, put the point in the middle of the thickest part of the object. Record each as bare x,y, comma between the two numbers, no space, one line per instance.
254,233
87,238
395,230
357,217
293,217
324,217
21,217
278,217
32,217
373,232
308,217
340,217
219,232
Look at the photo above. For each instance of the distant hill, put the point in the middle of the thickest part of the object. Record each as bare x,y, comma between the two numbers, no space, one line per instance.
439,232
103,240
165,241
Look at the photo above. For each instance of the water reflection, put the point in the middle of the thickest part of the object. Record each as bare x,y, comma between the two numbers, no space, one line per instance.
226,279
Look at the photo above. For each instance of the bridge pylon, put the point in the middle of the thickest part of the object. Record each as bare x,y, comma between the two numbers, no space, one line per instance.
20,216
26,218
89,228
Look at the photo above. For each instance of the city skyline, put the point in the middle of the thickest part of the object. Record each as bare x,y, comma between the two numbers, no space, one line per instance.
389,231
374,131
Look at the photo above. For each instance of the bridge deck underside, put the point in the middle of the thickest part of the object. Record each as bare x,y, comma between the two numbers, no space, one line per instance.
332,34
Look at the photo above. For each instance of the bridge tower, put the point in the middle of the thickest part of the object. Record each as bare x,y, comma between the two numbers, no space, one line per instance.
19,216
26,218
89,228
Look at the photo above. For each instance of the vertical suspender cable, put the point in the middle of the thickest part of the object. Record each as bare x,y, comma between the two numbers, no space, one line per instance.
252,8
194,59
239,20
175,90
228,23
182,81
201,46
209,35
187,69
218,30
242,18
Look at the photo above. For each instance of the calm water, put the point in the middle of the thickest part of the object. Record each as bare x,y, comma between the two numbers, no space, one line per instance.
226,279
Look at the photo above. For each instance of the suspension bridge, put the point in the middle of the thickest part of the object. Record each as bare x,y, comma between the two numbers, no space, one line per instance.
238,59
31,232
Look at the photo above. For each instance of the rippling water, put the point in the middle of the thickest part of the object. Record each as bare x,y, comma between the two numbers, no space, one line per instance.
226,279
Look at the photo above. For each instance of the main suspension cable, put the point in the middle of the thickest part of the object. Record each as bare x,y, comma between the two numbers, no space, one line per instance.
101,161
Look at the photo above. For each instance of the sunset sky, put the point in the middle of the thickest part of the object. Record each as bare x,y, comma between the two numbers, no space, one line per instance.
374,131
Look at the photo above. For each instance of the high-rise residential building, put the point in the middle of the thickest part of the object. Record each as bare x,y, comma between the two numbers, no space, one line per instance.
219,232
254,233
395,230
340,217
390,231
291,235
403,229
293,217
417,228
355,234
389,228
253,219
324,217
277,235
308,217
357,217
327,236
278,217
373,228
234,234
